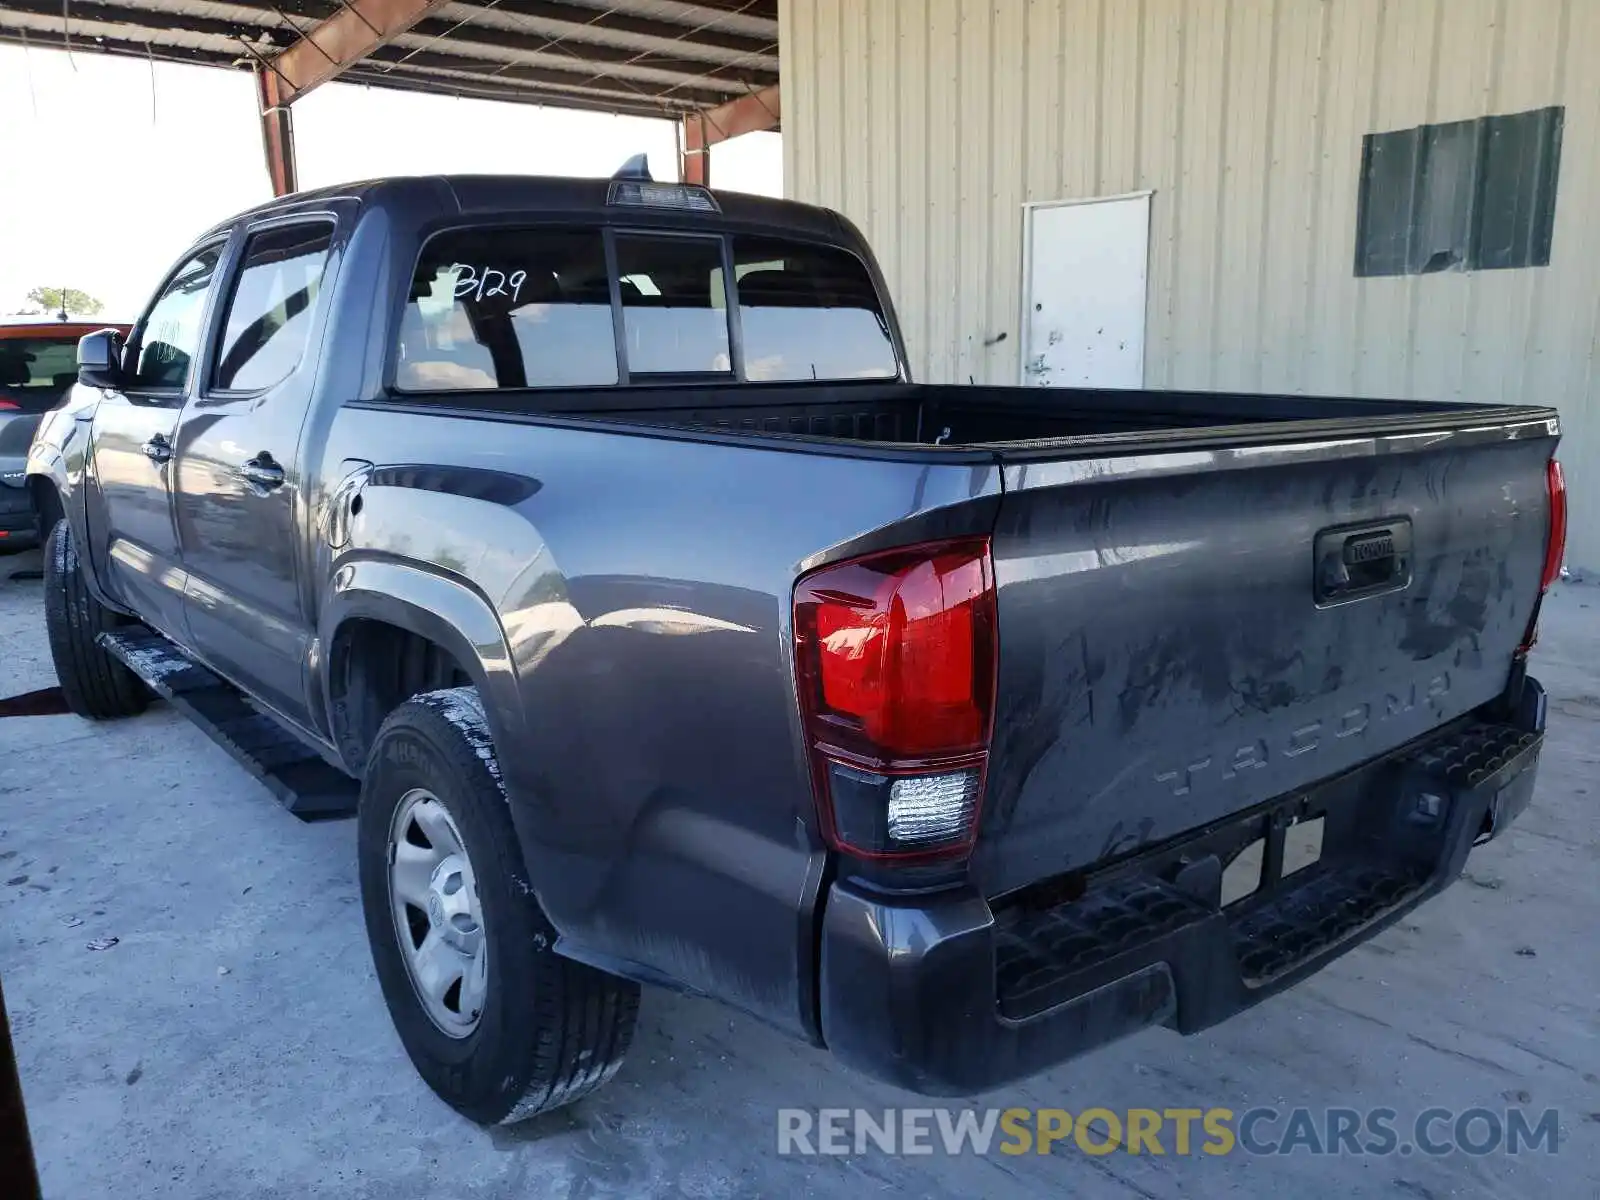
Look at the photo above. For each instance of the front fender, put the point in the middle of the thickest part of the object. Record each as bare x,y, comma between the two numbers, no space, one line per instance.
57,470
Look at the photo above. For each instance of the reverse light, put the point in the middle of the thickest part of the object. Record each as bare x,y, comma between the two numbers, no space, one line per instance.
923,808
895,655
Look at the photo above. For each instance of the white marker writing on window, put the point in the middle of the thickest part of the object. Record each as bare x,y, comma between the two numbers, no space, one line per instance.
483,282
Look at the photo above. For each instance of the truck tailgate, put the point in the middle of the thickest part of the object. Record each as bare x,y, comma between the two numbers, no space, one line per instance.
1187,633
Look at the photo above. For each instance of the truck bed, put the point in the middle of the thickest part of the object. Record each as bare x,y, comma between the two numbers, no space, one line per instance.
940,414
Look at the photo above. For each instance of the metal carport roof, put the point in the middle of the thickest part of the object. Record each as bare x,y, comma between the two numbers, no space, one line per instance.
712,64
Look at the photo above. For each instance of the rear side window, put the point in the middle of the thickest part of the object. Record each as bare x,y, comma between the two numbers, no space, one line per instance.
674,305
508,308
269,314
809,312
170,334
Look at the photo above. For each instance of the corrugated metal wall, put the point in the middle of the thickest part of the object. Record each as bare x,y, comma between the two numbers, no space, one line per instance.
931,122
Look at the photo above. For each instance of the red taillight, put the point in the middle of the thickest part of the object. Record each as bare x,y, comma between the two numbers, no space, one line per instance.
895,654
9,405
1556,547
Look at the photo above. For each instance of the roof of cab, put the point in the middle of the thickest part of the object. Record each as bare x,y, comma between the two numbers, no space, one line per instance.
508,194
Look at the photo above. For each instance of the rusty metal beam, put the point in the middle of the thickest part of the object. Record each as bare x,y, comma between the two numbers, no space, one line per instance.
703,130
352,33
277,132
387,63
694,156
765,9
581,22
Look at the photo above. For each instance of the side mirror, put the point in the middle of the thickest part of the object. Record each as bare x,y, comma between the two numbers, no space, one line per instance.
100,359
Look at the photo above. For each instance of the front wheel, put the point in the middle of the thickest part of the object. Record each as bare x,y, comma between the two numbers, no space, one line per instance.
497,1023
93,683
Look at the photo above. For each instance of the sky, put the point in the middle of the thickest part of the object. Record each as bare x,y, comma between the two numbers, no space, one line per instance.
112,166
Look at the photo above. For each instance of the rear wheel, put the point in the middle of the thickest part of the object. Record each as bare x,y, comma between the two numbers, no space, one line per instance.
93,683
497,1023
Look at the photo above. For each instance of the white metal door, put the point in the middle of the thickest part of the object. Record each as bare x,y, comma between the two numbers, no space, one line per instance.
1083,292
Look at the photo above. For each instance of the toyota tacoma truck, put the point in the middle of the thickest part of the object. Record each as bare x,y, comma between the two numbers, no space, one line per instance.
591,541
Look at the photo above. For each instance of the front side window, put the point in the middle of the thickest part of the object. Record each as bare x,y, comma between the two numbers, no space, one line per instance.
170,335
674,306
499,308
809,312
269,314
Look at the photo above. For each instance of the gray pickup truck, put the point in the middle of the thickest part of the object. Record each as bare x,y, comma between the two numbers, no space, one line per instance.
590,540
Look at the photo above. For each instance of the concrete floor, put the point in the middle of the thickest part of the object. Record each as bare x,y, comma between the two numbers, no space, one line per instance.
233,1042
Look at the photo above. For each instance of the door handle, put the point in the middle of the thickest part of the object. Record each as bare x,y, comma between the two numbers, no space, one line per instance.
157,449
262,472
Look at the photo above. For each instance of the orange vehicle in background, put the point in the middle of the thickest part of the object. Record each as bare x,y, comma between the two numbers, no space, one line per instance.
38,363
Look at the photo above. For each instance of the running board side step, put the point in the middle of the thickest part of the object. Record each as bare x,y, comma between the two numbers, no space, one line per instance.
297,775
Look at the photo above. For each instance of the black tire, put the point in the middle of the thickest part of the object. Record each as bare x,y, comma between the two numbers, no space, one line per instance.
93,683
551,1030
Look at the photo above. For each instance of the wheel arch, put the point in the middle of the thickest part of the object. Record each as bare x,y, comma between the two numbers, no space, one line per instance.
47,504
383,610
56,494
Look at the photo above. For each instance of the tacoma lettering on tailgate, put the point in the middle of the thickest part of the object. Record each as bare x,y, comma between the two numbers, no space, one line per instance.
1354,721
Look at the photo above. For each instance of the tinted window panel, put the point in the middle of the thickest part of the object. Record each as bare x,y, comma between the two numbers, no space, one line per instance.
809,312
508,308
1389,169
1522,164
170,335
1466,195
269,315
674,305
1442,224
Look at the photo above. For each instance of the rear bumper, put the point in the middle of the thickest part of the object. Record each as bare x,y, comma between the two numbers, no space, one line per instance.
960,995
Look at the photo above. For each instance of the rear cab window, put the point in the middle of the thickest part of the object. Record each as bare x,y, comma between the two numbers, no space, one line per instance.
674,305
509,308
809,312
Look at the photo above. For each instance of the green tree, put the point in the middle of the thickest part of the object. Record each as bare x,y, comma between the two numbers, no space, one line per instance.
71,300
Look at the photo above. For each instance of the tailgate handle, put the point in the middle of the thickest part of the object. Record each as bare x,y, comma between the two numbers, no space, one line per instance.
1354,561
